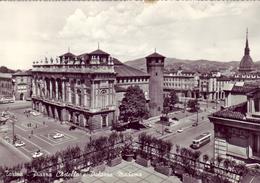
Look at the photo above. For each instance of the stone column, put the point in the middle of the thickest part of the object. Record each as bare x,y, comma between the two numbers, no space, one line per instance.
56,113
252,105
63,115
114,95
33,86
45,89
92,95
76,96
68,92
63,90
250,146
40,87
36,87
33,105
56,90
84,96
50,92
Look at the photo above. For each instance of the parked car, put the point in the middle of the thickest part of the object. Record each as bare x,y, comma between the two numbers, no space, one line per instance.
19,144
37,154
120,128
148,125
195,124
72,128
35,113
58,135
180,130
168,130
175,119
170,123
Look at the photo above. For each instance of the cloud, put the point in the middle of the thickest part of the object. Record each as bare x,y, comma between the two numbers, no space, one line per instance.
128,30
125,27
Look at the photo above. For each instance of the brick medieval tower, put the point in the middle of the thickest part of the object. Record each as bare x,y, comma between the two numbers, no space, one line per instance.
155,66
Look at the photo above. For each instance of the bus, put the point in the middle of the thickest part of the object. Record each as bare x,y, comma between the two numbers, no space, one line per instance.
201,140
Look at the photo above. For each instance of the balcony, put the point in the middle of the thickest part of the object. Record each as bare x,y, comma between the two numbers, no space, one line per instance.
104,109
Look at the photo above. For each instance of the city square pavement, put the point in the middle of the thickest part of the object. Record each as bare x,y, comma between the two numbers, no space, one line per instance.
126,172
39,135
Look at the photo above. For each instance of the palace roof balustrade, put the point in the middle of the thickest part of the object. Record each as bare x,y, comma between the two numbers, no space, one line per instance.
63,68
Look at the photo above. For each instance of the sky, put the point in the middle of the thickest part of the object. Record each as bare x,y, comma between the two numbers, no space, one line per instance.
31,31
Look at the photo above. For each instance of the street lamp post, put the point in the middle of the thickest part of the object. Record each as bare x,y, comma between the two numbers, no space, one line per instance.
207,101
197,109
12,120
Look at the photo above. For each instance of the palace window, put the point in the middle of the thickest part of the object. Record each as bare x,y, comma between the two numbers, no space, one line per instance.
104,121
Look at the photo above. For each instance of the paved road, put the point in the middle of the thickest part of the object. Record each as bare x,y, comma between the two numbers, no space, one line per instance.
42,135
9,156
16,105
185,138
185,122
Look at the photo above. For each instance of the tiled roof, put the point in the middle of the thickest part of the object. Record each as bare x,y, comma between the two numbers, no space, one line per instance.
68,55
22,73
83,56
6,75
233,112
124,70
98,52
155,55
236,112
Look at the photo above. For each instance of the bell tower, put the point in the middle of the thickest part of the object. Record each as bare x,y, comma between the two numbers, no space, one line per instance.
155,66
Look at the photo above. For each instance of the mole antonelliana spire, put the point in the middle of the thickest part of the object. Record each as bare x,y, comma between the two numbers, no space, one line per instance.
246,64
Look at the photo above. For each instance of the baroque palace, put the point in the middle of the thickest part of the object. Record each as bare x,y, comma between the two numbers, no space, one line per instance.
85,90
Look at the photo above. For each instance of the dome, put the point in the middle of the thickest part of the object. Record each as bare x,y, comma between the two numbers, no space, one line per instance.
246,64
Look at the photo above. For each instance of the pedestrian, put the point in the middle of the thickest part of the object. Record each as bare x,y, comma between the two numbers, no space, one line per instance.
35,125
32,132
43,122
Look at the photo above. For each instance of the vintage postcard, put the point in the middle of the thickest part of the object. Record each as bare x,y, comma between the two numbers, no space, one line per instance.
130,91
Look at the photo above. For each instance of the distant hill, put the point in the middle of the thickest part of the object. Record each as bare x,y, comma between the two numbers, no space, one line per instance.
4,69
190,65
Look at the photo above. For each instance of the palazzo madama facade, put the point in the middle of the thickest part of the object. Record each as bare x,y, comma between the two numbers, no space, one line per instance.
76,89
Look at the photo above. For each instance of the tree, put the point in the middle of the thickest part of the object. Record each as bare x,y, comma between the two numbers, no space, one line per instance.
226,165
133,105
219,160
166,108
205,159
170,101
196,157
193,105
